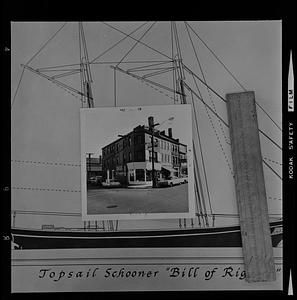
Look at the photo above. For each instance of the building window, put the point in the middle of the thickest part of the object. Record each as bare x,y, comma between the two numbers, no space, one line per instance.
138,139
140,174
139,155
131,175
130,156
148,175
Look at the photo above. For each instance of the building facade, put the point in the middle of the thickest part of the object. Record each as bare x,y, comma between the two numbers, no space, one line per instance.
129,158
94,166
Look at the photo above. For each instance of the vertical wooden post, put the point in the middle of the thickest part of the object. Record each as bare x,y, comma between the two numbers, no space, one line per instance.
250,187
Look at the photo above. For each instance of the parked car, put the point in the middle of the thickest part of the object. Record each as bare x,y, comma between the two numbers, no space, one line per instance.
96,180
177,180
111,184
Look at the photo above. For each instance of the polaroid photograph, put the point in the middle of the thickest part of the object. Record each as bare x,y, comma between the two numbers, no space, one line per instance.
136,162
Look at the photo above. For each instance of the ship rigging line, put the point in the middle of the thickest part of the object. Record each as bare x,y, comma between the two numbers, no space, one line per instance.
204,78
228,125
44,45
136,43
215,131
214,107
173,63
48,68
121,40
137,40
272,169
192,73
17,89
201,153
230,73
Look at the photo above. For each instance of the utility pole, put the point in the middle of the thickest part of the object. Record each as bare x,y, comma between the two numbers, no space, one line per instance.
153,158
151,127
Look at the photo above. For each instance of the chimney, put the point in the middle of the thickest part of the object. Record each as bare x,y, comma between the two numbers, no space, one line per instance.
150,122
170,132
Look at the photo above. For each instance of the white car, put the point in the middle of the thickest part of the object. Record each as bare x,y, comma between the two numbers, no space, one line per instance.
111,184
177,180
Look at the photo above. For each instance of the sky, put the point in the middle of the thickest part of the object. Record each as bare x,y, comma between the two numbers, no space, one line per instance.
103,125
45,118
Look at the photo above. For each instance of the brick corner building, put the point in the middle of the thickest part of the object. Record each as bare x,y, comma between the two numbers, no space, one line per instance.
129,158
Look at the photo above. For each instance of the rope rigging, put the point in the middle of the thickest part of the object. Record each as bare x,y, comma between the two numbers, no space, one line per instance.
136,43
229,72
137,40
204,78
224,122
214,129
201,153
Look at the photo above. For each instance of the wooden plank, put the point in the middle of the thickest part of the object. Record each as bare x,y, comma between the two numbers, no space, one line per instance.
250,187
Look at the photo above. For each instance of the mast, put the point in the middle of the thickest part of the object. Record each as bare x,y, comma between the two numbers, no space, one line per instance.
85,70
179,66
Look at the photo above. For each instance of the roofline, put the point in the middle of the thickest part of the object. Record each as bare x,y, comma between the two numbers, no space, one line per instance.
143,127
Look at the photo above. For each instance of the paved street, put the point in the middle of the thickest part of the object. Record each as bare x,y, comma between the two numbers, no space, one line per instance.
127,201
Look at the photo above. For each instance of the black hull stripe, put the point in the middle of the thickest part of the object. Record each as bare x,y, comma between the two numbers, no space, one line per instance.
130,234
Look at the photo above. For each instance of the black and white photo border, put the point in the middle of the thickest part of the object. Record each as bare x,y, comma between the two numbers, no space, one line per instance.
147,111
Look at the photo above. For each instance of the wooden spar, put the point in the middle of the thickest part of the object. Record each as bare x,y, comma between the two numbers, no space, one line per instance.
250,187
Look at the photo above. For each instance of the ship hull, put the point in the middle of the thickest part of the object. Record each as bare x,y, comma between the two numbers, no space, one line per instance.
199,237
